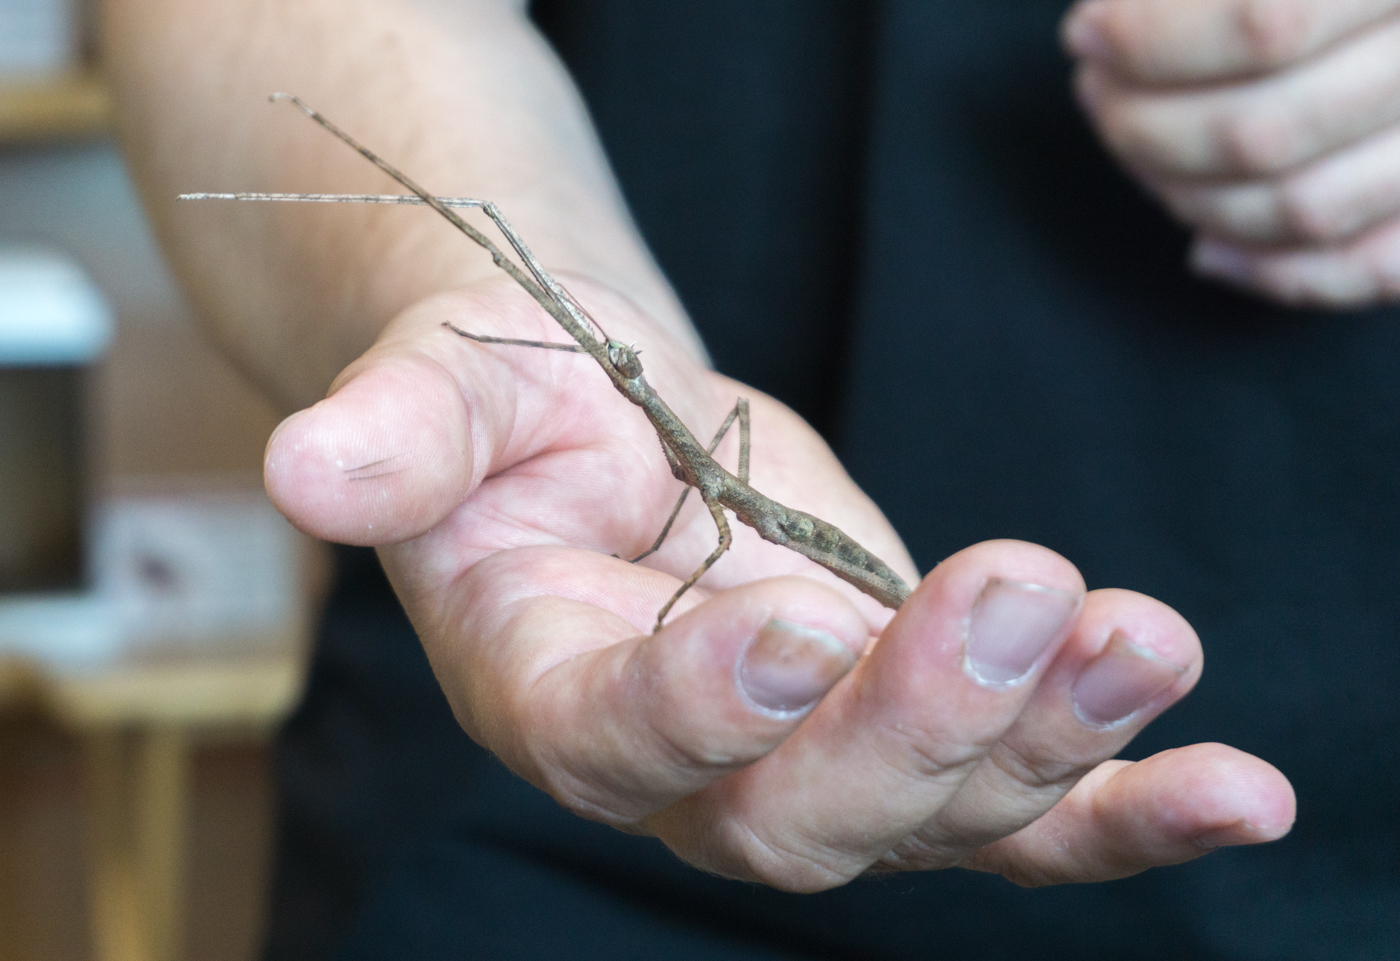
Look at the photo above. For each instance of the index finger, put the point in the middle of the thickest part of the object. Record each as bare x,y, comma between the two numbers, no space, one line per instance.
1163,42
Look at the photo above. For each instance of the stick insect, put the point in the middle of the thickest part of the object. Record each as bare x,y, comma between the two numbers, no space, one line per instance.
690,462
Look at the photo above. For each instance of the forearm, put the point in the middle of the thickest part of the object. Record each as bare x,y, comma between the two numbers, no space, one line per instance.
463,96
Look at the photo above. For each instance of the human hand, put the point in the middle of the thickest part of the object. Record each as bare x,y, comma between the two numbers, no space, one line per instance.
763,733
1270,127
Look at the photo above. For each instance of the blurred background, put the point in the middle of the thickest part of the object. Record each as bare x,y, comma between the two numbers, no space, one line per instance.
152,605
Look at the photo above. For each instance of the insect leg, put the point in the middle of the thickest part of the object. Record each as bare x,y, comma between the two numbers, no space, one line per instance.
741,411
725,539
511,341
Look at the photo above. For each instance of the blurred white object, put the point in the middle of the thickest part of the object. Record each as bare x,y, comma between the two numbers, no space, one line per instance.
63,630
173,572
51,314
38,38
195,566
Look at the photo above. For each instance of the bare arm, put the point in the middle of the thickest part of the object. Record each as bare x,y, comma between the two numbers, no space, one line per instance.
759,733
464,94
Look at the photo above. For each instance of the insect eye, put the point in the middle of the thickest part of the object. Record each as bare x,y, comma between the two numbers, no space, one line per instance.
625,359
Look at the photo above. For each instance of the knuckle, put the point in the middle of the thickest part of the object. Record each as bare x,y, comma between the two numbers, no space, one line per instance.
1258,145
785,866
1039,768
1285,289
525,741
677,737
580,794
1126,133
1304,216
920,853
574,779
683,749
1146,135
1330,284
915,752
1274,32
1346,287
1387,276
1023,874
1197,207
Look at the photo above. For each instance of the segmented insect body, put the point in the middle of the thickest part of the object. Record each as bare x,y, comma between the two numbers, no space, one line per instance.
689,460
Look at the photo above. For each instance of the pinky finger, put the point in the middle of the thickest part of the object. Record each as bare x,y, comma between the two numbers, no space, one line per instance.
1126,817
1364,272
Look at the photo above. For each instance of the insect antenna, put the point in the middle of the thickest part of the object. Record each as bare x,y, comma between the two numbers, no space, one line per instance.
540,285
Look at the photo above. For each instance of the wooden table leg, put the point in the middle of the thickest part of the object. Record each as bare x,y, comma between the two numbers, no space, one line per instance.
162,813
114,893
137,795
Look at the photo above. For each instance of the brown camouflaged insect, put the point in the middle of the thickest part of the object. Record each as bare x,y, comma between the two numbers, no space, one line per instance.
690,462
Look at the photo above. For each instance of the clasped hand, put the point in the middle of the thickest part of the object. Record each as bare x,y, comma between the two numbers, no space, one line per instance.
1270,127
782,727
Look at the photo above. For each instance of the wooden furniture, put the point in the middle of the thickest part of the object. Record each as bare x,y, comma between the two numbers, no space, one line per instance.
138,723
167,405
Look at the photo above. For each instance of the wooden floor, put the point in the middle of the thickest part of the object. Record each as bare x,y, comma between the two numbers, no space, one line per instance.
43,889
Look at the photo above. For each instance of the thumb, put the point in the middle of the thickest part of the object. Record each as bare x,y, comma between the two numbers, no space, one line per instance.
382,459
409,429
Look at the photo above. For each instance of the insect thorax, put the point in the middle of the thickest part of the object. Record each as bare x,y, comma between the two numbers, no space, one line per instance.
625,359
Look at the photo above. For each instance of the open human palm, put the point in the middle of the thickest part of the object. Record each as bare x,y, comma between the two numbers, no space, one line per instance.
781,727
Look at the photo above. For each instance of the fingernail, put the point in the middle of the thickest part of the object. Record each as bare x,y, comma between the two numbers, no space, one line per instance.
1084,37
788,667
1221,837
1011,625
1215,259
1121,681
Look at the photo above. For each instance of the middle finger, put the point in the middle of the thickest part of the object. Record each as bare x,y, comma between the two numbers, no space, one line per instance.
1326,202
1127,660
1261,127
891,743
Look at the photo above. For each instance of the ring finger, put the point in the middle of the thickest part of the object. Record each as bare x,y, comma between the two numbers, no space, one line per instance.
1260,127
1331,200
1128,658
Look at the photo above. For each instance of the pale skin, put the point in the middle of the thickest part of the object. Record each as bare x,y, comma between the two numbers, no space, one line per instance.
781,727
1270,127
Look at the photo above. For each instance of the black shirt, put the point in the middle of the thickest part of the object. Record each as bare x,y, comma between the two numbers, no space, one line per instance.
891,216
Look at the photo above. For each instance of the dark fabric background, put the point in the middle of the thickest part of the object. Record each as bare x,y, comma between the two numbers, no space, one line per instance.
891,216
